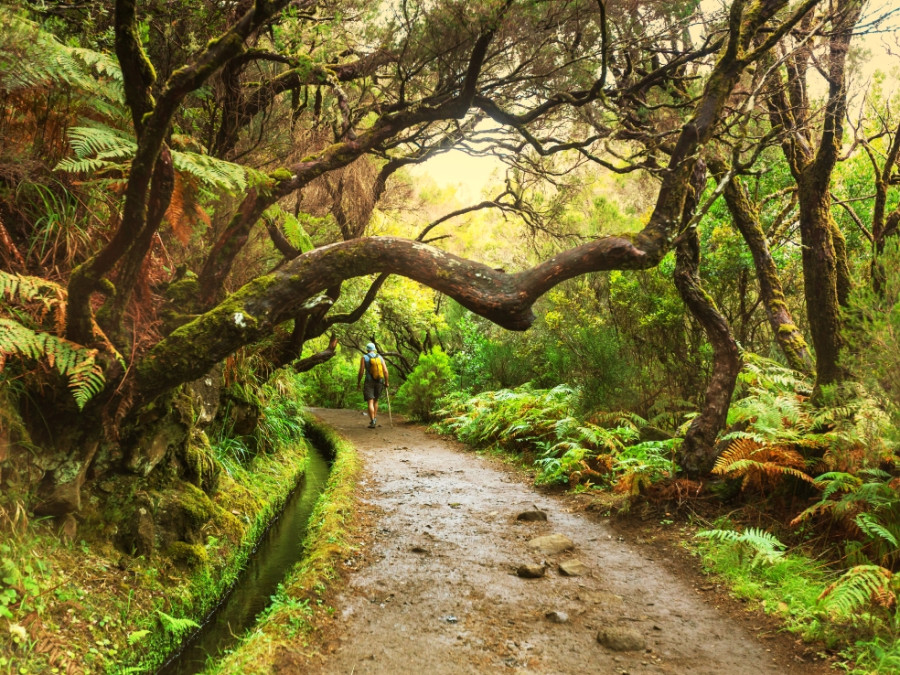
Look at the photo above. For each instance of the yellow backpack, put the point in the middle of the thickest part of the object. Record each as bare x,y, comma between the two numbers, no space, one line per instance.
375,367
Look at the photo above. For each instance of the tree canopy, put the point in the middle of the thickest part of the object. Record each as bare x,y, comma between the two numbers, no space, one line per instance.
190,179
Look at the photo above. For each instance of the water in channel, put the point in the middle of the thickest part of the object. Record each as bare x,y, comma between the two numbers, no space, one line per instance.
278,550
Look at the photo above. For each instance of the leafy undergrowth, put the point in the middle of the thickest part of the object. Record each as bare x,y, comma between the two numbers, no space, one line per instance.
607,450
852,613
85,607
284,626
824,476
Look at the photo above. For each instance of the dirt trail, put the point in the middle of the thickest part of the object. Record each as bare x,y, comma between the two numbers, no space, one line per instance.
437,591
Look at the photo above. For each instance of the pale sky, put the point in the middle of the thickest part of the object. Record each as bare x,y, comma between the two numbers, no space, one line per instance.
470,175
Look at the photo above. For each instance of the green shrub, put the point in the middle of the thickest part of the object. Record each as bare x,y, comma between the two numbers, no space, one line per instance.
541,421
430,380
333,385
873,333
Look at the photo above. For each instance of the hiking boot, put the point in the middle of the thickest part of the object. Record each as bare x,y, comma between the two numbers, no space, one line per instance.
372,424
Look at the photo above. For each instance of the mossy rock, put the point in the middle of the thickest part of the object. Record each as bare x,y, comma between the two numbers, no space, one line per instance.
154,444
182,513
137,535
191,556
201,467
230,527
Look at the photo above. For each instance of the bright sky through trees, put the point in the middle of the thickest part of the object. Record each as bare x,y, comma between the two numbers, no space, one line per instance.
878,49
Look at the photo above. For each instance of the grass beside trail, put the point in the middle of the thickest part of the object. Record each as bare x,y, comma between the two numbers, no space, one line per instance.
791,586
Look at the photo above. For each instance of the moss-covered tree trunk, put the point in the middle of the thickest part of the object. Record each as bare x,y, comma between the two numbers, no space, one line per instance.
745,216
826,275
820,274
698,454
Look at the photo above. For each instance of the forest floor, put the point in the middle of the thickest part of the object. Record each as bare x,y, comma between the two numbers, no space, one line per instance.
434,587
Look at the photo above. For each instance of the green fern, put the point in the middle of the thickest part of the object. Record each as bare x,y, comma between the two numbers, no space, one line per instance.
20,289
764,546
31,57
175,626
98,147
875,530
859,588
74,362
78,364
761,373
292,227
214,172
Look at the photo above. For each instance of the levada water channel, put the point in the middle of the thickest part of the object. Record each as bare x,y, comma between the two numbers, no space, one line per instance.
276,553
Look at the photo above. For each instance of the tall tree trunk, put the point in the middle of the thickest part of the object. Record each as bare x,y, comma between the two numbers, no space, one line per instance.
697,454
883,225
826,275
745,216
821,267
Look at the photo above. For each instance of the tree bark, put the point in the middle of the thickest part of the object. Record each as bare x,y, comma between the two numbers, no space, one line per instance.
253,311
745,216
826,276
820,278
129,269
883,226
310,362
697,454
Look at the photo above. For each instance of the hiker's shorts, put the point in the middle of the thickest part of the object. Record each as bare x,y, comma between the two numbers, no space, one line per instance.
373,389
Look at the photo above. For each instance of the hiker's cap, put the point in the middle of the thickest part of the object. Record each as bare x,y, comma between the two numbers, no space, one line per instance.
370,347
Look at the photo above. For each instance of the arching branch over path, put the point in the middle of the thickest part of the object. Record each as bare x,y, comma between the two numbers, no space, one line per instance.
253,311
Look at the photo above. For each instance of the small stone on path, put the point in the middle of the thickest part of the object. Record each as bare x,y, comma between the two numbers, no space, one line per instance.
573,568
557,617
551,544
621,639
534,516
531,571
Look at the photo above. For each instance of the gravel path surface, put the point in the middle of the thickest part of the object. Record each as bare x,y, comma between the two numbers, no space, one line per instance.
438,590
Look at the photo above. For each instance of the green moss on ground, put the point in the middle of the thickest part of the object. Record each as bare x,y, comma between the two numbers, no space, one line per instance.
85,605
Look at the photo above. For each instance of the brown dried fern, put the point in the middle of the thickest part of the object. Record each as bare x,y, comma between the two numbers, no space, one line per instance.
761,466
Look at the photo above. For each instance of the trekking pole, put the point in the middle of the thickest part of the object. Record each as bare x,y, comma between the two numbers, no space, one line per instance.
388,394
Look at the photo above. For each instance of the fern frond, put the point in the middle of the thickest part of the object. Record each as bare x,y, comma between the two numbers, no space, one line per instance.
875,530
857,589
819,507
759,464
78,364
18,288
212,171
875,474
833,482
764,546
31,57
738,450
176,626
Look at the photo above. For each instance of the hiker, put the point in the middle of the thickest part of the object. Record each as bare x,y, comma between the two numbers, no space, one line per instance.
376,372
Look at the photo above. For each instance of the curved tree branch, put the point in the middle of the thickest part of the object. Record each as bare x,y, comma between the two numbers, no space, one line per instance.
252,312
310,362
